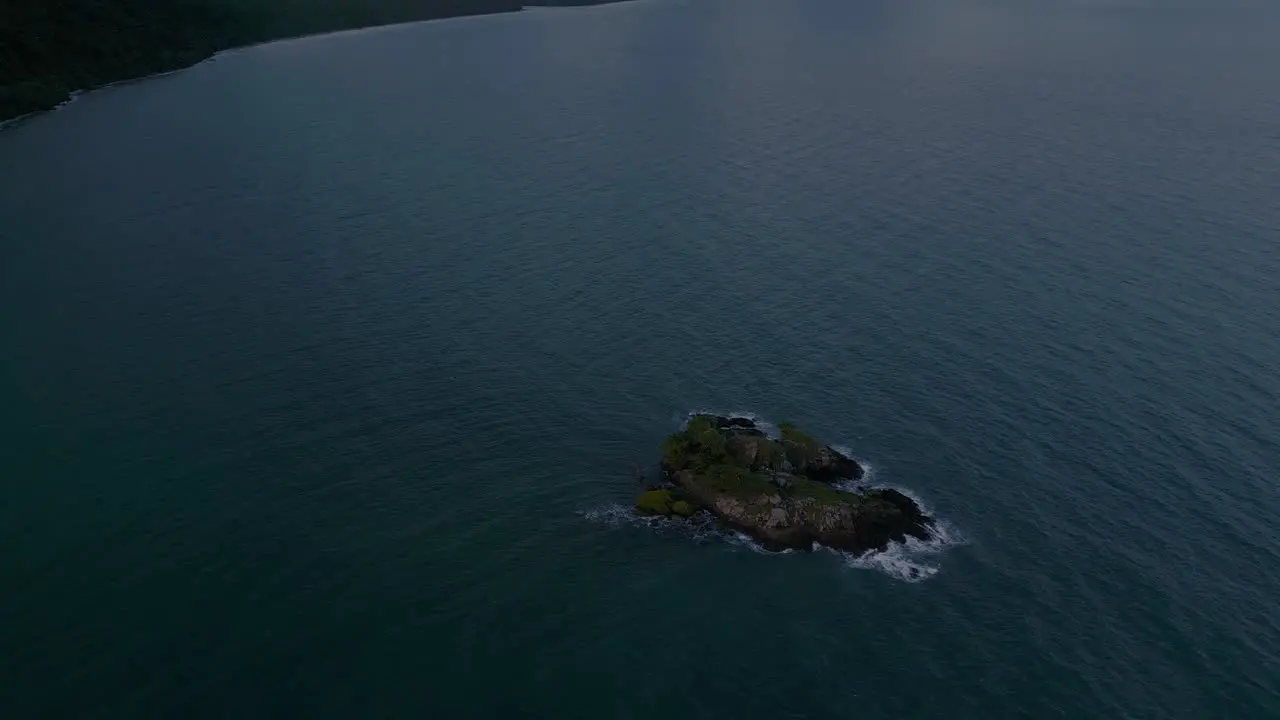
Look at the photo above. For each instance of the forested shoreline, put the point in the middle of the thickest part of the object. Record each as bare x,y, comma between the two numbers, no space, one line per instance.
51,48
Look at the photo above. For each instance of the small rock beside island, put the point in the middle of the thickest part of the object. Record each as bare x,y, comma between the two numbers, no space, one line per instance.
782,492
661,502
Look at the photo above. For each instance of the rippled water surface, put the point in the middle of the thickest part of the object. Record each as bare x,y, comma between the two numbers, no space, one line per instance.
325,365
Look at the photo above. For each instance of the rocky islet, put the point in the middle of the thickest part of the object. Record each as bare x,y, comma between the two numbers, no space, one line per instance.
786,492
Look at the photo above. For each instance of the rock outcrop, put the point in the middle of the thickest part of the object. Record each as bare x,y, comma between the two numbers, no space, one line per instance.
780,491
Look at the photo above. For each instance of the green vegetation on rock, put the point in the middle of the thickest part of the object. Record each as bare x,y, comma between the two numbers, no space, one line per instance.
698,425
676,450
803,487
791,434
728,467
699,446
711,447
735,481
799,447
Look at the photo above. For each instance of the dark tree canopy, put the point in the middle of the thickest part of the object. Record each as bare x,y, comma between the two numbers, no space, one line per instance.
49,48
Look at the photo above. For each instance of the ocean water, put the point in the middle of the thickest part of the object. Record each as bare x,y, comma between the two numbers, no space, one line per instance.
326,364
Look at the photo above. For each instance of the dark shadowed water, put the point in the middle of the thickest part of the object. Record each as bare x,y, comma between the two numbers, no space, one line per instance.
325,364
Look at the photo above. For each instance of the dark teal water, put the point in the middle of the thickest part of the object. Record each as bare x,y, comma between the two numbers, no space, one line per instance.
325,365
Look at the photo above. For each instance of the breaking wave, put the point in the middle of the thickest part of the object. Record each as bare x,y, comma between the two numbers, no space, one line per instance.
910,561
914,560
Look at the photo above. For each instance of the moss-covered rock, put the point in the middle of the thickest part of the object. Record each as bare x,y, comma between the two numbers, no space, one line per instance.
683,509
654,502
